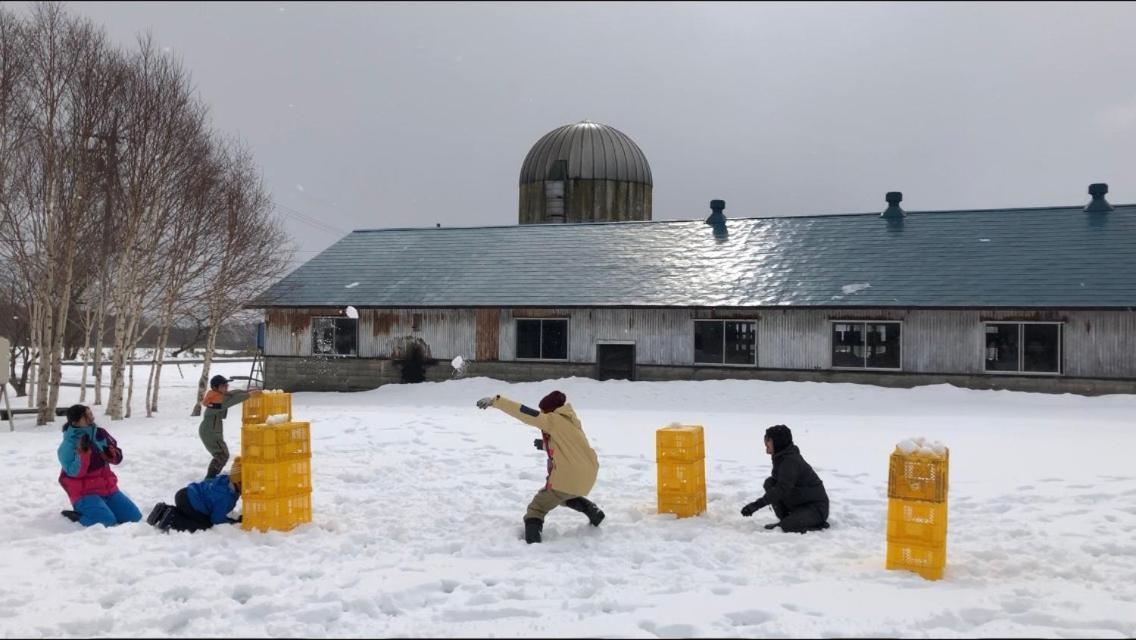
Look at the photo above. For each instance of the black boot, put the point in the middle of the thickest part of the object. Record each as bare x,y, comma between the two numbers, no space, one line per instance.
588,508
156,514
533,527
73,516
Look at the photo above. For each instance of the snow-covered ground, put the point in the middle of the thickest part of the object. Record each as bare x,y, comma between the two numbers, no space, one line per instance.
419,496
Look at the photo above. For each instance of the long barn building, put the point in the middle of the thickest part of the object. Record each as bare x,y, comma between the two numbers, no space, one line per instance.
1032,299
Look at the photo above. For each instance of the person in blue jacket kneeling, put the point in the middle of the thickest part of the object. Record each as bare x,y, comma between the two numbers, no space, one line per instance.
200,505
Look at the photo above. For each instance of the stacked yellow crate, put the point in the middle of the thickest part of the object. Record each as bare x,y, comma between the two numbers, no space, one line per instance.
681,456
917,512
276,464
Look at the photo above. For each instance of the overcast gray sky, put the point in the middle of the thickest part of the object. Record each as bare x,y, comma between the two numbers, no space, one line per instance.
384,115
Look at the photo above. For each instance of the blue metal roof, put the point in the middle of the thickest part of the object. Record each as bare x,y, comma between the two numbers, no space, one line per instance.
1031,258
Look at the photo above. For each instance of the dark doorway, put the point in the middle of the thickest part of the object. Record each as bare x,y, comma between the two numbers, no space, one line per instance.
615,361
414,364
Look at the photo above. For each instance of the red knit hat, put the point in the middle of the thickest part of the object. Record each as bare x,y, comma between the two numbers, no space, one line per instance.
552,402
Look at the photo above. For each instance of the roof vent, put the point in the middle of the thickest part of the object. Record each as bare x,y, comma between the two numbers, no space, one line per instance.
717,219
893,213
1098,204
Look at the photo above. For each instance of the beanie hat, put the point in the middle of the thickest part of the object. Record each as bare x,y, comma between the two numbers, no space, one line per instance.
780,435
217,381
235,471
552,402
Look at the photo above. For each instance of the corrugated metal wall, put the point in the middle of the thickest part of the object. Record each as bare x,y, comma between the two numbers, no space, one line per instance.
1096,343
661,336
288,332
448,332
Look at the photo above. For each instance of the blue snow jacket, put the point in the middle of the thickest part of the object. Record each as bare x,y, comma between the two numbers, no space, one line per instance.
215,497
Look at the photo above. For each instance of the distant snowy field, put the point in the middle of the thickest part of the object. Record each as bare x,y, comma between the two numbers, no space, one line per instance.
419,497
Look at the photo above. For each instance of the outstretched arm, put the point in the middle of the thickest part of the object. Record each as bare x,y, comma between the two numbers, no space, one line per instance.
527,415
234,397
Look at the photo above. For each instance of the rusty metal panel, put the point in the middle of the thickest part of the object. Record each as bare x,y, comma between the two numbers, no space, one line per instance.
488,334
287,332
446,332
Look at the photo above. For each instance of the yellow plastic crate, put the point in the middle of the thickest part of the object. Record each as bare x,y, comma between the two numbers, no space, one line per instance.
917,521
268,480
682,477
927,561
914,477
684,505
276,442
281,514
680,444
255,410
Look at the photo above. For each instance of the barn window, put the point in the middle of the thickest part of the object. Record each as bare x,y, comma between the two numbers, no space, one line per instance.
725,342
866,345
1023,347
542,339
334,336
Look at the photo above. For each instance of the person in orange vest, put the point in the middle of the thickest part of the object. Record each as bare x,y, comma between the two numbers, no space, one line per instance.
216,405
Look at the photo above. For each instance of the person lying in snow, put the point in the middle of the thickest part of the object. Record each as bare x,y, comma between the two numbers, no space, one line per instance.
216,403
200,505
85,455
793,490
572,463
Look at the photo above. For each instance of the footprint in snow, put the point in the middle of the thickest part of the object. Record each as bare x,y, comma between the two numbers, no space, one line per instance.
749,617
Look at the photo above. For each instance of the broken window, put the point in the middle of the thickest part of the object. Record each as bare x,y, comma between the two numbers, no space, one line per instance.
334,336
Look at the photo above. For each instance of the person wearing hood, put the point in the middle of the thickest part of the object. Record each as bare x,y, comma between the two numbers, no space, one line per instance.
215,405
200,505
572,463
85,457
793,490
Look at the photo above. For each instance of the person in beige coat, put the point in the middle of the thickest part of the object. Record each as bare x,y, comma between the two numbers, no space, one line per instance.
572,463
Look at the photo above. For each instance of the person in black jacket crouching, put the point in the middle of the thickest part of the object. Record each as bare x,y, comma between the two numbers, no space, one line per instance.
793,490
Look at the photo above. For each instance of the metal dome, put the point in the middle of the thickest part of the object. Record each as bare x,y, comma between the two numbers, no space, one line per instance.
592,151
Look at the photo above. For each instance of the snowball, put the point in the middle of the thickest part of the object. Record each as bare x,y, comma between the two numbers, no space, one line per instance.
907,447
352,312
457,363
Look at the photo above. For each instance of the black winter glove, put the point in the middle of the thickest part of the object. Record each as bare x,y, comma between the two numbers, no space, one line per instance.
539,444
752,508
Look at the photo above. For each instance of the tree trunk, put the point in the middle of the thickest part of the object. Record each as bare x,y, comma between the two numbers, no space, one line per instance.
86,354
135,340
159,359
64,298
117,365
210,345
33,348
130,388
43,376
100,329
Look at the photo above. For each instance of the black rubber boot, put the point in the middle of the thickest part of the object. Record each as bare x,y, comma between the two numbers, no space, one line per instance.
588,508
156,514
73,516
533,527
